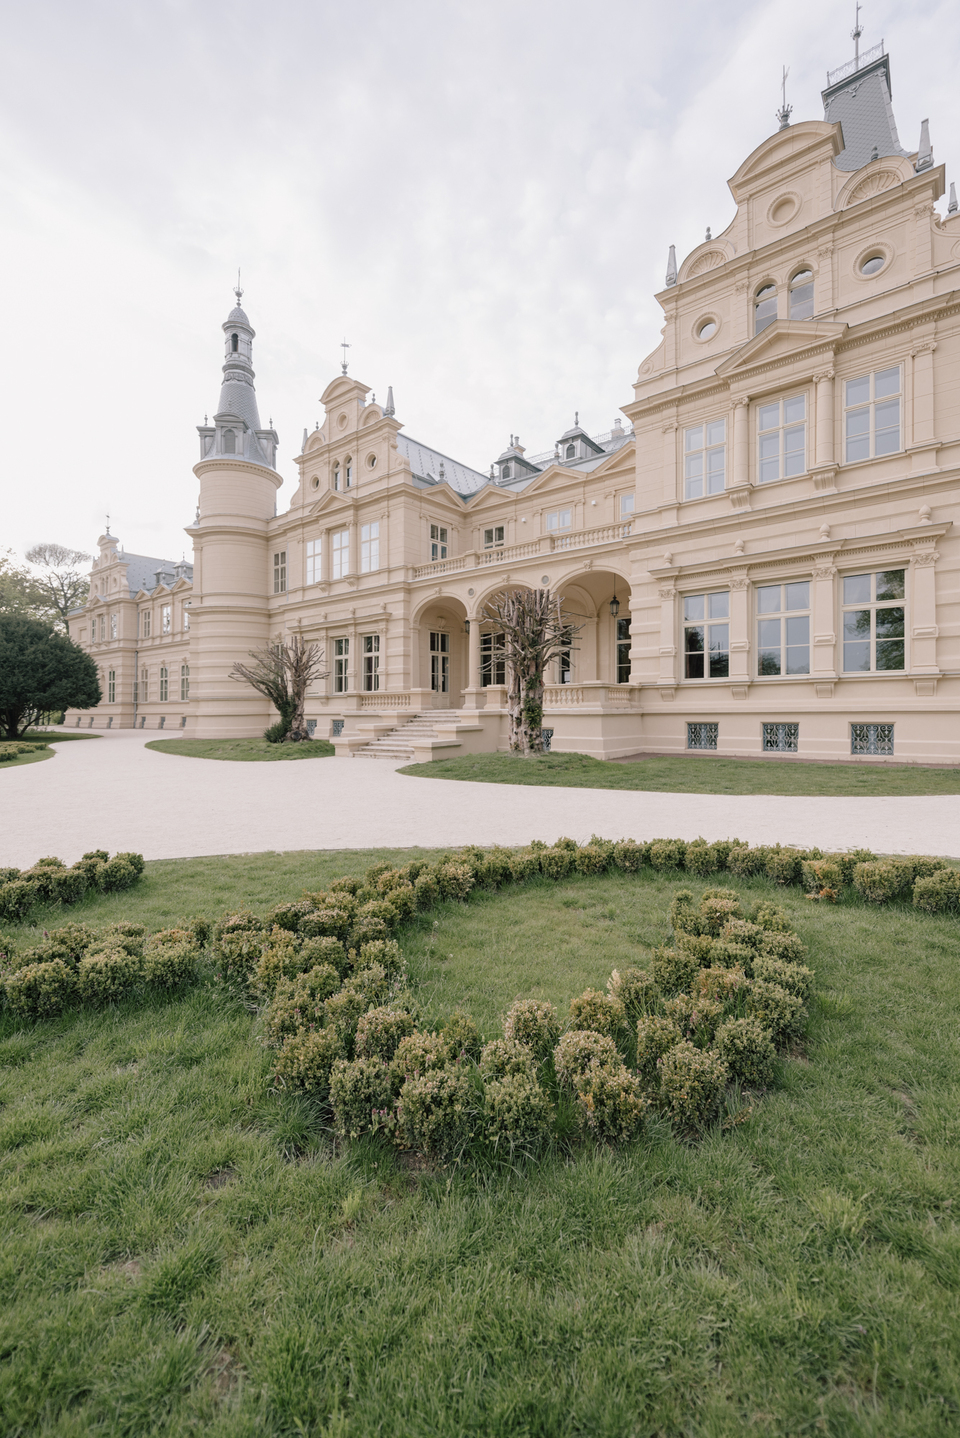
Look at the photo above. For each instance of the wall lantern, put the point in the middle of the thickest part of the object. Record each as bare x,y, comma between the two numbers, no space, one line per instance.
614,603
466,626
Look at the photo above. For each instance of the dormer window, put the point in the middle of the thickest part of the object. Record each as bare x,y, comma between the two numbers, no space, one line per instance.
801,296
234,343
506,470
229,441
764,308
570,452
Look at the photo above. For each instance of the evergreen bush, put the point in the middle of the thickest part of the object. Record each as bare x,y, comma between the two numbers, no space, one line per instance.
461,1035
600,1013
517,1114
938,893
380,1032
361,1095
305,1060
105,977
502,1057
533,1023
656,1035
39,991
636,990
692,1082
610,1101
746,1047
673,970
437,1112
578,1049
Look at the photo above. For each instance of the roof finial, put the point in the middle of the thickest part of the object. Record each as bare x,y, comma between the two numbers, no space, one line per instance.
952,207
238,291
576,416
925,152
389,407
855,34
785,111
344,346
672,267
108,525
708,235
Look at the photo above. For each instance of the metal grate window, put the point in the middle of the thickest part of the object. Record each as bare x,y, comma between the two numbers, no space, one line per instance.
784,738
702,736
338,727
311,727
547,739
871,738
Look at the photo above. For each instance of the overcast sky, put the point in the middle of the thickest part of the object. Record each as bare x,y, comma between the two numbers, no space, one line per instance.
478,194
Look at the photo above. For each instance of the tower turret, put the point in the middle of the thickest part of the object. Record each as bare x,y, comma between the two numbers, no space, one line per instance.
236,428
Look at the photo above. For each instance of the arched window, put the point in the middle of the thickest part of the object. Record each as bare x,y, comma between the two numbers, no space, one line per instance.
348,472
764,308
801,295
229,441
571,452
336,476
234,343
505,471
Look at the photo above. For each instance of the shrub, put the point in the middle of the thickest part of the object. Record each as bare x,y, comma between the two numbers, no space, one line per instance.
461,1035
598,1012
380,1032
817,874
718,907
876,882
40,990
673,970
70,886
667,853
557,863
455,879
403,902
628,856
741,931
437,1112
360,1096
132,937
701,858
136,861
237,940
370,981
343,1011
745,862
533,1023
305,1060
578,1049
516,1112
502,1057
724,985
285,1015
70,943
655,1037
289,916
104,977
385,953
746,1047
924,866
701,947
696,1016
684,914
494,869
778,1010
524,866
784,865
772,918
279,959
316,985
795,978
373,920
117,874
787,947
418,1054
167,966
939,893
17,898
636,990
427,890
330,922
692,1082
326,952
592,859
611,1102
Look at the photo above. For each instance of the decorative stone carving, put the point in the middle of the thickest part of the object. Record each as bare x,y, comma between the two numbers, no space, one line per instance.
923,347
741,287
667,593
924,513
738,581
872,185
926,559
710,260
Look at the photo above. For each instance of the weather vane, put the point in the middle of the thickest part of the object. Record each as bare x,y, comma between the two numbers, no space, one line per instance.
344,346
238,291
855,34
785,111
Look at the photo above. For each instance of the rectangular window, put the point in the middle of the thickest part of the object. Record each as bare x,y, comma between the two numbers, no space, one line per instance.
873,621
783,628
314,552
623,651
165,618
371,662
438,542
626,505
706,645
440,662
341,665
280,572
493,666
369,548
784,738
164,684
144,686
103,627
340,552
558,519
186,618
871,738
145,623
702,736
111,686
782,438
184,681
113,626
704,459
871,420
493,538
565,658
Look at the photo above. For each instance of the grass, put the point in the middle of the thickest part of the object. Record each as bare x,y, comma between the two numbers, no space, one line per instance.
695,775
41,739
183,1250
243,750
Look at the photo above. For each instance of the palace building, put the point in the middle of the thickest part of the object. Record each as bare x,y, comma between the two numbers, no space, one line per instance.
761,557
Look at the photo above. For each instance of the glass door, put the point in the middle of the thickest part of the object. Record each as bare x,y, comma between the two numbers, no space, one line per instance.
439,662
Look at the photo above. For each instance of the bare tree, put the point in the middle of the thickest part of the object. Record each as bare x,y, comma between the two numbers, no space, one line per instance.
534,632
63,586
283,672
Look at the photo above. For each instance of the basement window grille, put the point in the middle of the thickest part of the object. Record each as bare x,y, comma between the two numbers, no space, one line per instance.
782,737
871,738
702,736
547,740
338,727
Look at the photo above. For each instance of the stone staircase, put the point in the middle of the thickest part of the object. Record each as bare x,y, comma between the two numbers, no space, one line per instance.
397,744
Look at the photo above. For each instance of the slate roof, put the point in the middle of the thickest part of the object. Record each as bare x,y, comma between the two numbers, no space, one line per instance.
142,571
425,465
861,102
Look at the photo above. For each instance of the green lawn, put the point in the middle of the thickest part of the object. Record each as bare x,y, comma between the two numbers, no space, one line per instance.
41,739
40,752
694,775
183,1251
243,750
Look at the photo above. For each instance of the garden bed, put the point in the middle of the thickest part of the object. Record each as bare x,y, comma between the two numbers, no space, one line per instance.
243,750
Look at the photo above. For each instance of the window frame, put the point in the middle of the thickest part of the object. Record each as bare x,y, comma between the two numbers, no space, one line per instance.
767,294
493,659
114,626
144,685
779,746
494,543
184,683
370,651
339,553
782,617
111,686
164,684
166,618
869,406
559,527
438,541
440,661
370,547
873,740
873,606
709,621
314,560
782,429
704,451
280,571
145,623
792,287
628,504
341,664
622,641
705,729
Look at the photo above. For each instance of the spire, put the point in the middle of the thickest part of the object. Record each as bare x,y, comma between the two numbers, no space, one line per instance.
785,111
925,153
672,267
858,96
303,444
388,407
952,207
236,428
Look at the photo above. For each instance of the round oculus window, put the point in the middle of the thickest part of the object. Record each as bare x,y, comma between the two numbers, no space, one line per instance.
341,421
706,330
315,482
371,461
872,265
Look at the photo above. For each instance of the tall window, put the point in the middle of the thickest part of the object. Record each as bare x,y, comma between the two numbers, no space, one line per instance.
764,308
440,662
873,621
184,681
565,658
166,615
347,472
801,296
185,611
336,476
493,666
340,553
623,650
493,538
113,626
783,628
144,685
438,542
626,505
341,665
314,551
782,442
234,343
280,572
558,519
103,626
706,642
371,662
704,459
164,684
145,623
229,441
369,547
872,414
111,686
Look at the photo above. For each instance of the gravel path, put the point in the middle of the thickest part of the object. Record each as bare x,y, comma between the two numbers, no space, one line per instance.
113,793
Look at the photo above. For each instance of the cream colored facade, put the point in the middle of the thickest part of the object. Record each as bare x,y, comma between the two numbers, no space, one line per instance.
808,372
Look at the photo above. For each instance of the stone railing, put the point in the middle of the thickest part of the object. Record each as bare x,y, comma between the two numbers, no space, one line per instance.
509,553
380,700
569,696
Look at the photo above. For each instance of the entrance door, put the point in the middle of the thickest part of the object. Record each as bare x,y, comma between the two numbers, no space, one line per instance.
439,662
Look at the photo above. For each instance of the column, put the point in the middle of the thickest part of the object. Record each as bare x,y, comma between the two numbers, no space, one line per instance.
823,622
472,690
824,449
923,417
740,470
668,638
739,630
670,481
922,612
